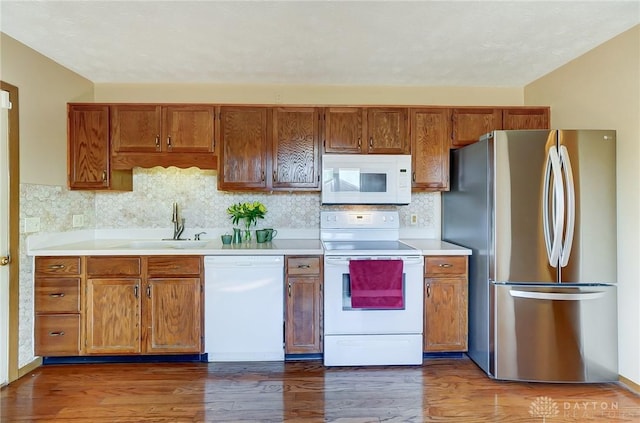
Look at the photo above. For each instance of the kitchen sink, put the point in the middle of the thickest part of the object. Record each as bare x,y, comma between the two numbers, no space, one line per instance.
167,243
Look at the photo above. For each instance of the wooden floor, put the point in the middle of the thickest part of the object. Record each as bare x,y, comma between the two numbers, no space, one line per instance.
441,390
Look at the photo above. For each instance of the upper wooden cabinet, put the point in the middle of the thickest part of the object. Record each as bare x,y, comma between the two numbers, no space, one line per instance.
89,166
295,157
163,135
525,118
269,149
430,135
374,130
469,124
343,129
243,148
387,130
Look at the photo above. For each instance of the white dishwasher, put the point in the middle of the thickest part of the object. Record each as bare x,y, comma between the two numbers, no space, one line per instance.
244,308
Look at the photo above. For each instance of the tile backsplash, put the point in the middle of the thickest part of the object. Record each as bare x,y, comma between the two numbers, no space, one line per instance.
149,206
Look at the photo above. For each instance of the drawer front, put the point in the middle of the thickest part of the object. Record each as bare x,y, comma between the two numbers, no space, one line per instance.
57,266
303,265
114,266
57,295
445,265
176,265
57,334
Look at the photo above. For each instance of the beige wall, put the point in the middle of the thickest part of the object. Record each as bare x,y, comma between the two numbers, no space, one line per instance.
301,94
601,90
44,88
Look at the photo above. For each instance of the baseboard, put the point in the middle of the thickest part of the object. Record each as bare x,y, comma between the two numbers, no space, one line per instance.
631,385
29,367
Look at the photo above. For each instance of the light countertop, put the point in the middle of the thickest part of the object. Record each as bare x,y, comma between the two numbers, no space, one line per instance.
91,243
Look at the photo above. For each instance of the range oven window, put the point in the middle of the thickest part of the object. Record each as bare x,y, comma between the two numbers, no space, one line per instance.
346,295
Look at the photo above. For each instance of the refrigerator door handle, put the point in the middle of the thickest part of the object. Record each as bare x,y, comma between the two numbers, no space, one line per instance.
571,206
553,240
557,295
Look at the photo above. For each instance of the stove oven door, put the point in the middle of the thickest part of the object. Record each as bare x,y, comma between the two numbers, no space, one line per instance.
341,319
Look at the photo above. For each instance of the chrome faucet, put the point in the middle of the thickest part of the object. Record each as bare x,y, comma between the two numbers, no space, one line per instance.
178,223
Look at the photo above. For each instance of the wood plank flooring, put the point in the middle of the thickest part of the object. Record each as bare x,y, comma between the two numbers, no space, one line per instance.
441,390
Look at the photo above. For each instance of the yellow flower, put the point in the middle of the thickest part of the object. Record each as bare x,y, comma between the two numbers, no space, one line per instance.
248,211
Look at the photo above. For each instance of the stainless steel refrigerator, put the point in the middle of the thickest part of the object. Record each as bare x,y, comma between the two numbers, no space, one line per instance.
538,210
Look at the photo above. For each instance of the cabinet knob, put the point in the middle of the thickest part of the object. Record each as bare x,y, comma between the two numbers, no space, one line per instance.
4,260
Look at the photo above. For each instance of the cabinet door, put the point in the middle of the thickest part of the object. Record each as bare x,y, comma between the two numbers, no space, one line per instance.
343,129
525,118
295,157
430,129
189,129
387,131
136,128
113,316
445,314
303,321
88,147
469,124
173,315
243,148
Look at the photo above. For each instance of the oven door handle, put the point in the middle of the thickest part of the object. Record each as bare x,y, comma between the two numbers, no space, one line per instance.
341,261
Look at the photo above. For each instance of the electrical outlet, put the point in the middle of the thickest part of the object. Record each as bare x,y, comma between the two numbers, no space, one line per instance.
414,219
31,224
78,220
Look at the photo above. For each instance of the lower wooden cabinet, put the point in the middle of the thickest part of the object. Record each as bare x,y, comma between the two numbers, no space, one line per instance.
173,305
58,300
303,305
111,305
445,304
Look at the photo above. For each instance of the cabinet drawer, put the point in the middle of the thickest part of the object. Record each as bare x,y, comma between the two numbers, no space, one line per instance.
57,334
57,295
445,265
166,266
114,266
303,265
57,266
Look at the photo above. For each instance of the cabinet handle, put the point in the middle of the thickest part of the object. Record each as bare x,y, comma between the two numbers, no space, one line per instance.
274,176
135,291
169,146
157,142
60,333
303,266
371,142
262,176
413,177
148,291
359,143
57,295
104,176
428,290
289,289
445,265
56,266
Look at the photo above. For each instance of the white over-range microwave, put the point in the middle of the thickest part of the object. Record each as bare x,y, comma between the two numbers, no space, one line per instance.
366,179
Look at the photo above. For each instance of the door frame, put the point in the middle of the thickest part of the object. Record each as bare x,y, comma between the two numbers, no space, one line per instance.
14,227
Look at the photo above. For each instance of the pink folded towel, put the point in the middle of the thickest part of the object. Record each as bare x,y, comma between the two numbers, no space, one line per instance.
376,284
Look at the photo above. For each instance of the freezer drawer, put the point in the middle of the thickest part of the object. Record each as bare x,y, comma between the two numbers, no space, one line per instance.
554,333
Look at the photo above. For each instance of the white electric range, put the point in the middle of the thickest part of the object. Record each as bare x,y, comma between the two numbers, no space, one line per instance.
360,336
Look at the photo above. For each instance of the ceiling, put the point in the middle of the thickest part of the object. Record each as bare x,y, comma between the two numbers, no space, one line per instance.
414,43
